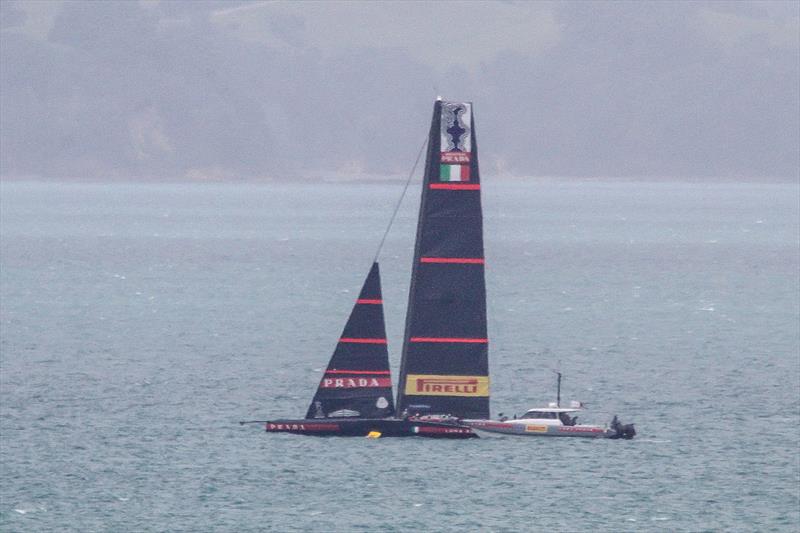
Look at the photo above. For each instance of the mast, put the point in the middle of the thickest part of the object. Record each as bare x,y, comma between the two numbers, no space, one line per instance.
444,367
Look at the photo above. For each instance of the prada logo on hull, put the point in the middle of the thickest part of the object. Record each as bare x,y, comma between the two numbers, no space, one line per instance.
294,426
434,385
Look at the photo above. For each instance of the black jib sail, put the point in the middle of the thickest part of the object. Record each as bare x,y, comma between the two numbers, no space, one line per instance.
444,367
357,382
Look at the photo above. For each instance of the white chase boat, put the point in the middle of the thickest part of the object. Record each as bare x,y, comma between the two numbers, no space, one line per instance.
551,421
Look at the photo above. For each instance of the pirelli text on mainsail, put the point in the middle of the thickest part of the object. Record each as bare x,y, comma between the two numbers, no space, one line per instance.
444,367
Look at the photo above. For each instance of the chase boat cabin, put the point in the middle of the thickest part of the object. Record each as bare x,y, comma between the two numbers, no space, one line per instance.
550,416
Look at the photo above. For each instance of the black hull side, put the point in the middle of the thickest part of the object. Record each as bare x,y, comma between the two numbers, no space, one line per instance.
361,427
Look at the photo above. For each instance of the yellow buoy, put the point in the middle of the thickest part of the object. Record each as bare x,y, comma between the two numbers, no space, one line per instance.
373,434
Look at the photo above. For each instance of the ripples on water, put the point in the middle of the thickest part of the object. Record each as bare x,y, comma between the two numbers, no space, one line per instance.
140,323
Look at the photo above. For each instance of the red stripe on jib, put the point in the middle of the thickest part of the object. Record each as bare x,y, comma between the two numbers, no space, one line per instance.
462,260
368,301
381,372
448,339
363,341
456,186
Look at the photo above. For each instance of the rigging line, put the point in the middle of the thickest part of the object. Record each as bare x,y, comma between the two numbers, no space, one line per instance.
400,201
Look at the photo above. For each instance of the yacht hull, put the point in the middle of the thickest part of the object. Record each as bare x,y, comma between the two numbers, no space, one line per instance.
362,427
521,429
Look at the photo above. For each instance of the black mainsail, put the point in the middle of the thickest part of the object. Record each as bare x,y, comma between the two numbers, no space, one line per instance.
444,367
357,382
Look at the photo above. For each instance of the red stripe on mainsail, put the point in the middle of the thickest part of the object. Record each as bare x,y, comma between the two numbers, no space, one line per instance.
456,186
363,341
448,339
462,260
382,372
368,301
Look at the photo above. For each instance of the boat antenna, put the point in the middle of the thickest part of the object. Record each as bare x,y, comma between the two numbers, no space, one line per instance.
558,385
400,201
558,391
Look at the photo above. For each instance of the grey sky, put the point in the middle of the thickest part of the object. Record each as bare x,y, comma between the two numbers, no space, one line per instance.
237,90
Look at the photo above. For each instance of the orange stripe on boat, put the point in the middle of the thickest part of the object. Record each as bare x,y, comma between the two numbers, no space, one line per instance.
368,301
448,339
462,260
456,186
362,341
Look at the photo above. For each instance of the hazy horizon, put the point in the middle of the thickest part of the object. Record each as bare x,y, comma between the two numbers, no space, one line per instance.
258,91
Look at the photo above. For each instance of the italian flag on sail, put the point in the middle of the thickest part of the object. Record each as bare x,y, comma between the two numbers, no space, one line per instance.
453,172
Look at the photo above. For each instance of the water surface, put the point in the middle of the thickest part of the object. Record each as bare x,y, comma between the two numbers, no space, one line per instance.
141,322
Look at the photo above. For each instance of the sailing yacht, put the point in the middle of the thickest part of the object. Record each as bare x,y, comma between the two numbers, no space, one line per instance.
444,371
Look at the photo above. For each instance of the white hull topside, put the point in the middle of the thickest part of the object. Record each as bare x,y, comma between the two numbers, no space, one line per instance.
534,428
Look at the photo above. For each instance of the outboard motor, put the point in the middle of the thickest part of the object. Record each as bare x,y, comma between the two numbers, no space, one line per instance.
622,431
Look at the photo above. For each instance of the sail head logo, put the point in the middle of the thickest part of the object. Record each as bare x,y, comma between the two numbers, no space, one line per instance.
455,131
456,142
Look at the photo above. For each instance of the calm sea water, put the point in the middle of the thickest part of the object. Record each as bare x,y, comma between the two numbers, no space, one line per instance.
141,322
